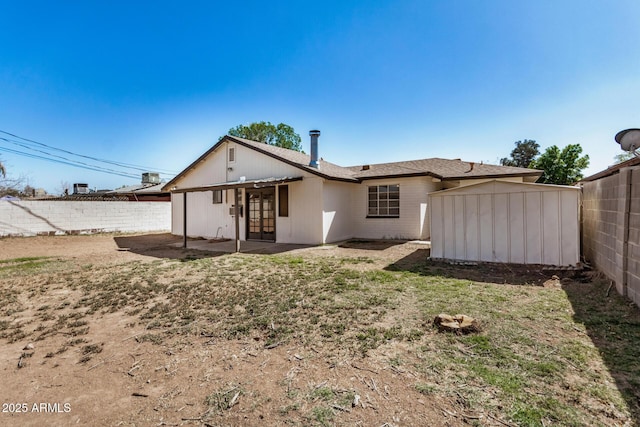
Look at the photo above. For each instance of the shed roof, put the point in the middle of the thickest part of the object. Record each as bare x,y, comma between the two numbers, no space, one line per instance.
495,186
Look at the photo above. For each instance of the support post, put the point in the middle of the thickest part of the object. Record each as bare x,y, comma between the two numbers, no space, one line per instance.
184,220
236,213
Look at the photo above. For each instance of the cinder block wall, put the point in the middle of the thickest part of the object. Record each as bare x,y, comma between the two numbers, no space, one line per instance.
30,218
611,229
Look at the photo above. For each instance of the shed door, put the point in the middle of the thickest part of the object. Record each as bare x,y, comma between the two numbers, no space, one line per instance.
261,220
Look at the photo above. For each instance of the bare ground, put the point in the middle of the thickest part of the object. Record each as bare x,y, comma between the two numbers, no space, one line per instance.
117,373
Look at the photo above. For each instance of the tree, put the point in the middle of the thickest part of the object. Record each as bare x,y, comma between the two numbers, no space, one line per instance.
63,188
561,167
3,171
281,135
524,153
11,186
623,157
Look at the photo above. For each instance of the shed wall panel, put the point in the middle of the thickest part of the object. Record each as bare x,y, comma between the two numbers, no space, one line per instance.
516,228
533,228
501,228
487,219
472,226
437,228
507,222
550,228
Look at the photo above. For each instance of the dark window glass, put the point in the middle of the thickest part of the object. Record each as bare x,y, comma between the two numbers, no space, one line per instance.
283,203
217,196
384,200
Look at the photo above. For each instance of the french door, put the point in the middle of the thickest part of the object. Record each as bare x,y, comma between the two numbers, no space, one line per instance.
261,218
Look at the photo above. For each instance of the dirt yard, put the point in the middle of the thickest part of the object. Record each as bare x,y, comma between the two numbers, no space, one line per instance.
125,330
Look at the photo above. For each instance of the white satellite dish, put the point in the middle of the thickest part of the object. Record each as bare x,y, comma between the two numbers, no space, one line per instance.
629,140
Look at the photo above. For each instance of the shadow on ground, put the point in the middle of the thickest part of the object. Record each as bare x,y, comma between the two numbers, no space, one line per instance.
372,245
611,321
514,274
166,245
160,246
613,324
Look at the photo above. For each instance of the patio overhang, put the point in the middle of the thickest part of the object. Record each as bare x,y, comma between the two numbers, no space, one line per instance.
229,185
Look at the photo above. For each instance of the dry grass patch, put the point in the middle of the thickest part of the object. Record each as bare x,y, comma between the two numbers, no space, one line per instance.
533,364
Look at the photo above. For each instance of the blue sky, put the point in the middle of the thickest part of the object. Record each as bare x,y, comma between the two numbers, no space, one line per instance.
157,83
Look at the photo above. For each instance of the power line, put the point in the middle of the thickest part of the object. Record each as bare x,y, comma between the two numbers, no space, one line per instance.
93,167
120,164
35,156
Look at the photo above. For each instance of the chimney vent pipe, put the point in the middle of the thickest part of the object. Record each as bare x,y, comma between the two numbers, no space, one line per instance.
314,134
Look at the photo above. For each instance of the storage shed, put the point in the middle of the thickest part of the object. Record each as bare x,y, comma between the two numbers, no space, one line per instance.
511,222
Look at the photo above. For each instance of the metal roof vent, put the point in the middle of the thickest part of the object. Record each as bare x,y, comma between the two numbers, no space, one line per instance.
314,134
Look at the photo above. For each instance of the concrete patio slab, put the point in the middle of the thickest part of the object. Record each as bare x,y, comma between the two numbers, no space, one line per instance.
250,246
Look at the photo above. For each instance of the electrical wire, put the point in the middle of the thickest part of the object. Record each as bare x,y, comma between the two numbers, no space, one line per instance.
94,167
35,156
120,164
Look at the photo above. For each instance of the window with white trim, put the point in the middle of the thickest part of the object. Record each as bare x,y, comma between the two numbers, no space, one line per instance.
384,201
232,154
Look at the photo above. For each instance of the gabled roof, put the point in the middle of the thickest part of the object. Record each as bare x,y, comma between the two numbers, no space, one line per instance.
443,169
612,170
298,159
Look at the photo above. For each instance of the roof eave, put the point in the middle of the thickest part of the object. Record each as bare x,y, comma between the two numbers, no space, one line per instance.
399,175
492,176
193,165
309,169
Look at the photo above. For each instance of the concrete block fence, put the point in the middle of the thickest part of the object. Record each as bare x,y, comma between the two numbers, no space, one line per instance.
42,217
611,228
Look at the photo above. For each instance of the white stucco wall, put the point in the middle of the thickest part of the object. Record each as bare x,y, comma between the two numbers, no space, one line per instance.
254,165
337,210
204,218
304,223
413,222
210,171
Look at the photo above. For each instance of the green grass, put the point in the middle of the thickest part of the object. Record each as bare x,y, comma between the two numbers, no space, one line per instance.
23,265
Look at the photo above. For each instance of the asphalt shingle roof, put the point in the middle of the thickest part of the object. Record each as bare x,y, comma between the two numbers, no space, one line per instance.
440,168
444,169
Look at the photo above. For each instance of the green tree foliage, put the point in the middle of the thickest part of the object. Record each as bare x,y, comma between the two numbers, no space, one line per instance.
524,153
623,157
561,167
279,135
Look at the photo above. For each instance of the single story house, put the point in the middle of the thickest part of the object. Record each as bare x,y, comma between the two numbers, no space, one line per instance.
287,196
